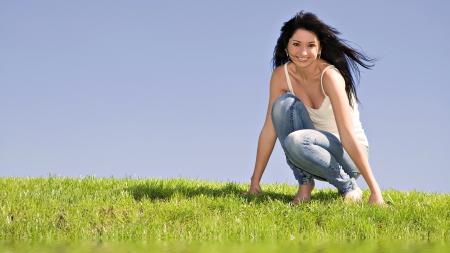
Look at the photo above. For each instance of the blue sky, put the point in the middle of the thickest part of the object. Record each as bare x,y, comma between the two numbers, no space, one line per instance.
180,88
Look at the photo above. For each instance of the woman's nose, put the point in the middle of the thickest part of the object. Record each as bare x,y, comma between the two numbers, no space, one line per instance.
303,51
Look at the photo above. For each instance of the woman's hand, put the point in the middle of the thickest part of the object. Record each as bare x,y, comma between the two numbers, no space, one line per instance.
254,189
376,198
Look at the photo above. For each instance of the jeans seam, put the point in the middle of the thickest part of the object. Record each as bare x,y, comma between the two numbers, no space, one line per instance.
312,150
291,117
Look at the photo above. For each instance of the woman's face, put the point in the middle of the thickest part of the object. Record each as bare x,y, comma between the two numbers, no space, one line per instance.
303,47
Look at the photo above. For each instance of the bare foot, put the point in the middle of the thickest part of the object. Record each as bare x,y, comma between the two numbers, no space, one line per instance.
354,196
303,194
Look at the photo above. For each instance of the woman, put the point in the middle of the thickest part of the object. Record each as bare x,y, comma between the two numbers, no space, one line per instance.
314,113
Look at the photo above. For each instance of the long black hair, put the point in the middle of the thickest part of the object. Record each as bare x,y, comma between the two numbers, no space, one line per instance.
336,51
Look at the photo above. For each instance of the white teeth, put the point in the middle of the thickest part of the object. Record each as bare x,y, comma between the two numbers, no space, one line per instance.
302,59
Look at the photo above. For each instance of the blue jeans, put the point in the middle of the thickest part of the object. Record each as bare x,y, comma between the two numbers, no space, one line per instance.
312,153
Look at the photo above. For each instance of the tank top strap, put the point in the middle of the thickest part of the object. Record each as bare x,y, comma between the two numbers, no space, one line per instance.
289,79
323,72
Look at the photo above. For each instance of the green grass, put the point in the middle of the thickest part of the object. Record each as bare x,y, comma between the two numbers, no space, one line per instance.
90,208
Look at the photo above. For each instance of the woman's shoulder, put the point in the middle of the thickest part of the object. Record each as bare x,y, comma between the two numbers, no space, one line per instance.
328,70
325,65
278,73
331,72
279,70
332,76
278,79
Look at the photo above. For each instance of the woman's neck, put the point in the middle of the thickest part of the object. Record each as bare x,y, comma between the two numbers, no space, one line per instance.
309,72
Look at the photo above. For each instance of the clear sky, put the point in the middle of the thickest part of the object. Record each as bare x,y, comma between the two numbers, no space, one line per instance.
180,88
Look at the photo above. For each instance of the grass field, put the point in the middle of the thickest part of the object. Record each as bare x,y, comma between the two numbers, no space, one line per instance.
90,208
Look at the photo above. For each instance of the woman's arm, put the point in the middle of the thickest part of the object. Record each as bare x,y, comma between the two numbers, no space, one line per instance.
267,137
266,142
334,86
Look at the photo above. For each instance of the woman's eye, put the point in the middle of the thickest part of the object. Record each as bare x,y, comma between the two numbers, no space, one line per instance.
311,45
296,44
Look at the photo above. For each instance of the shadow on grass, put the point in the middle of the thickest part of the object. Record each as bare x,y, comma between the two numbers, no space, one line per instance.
163,191
325,195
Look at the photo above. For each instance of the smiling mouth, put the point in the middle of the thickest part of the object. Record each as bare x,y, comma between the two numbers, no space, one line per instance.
302,59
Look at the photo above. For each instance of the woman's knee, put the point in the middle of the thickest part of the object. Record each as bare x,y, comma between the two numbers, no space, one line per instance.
297,141
282,105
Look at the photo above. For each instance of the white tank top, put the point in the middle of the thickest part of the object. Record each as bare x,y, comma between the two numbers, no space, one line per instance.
323,118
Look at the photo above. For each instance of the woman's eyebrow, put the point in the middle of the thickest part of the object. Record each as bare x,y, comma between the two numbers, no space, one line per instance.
300,41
